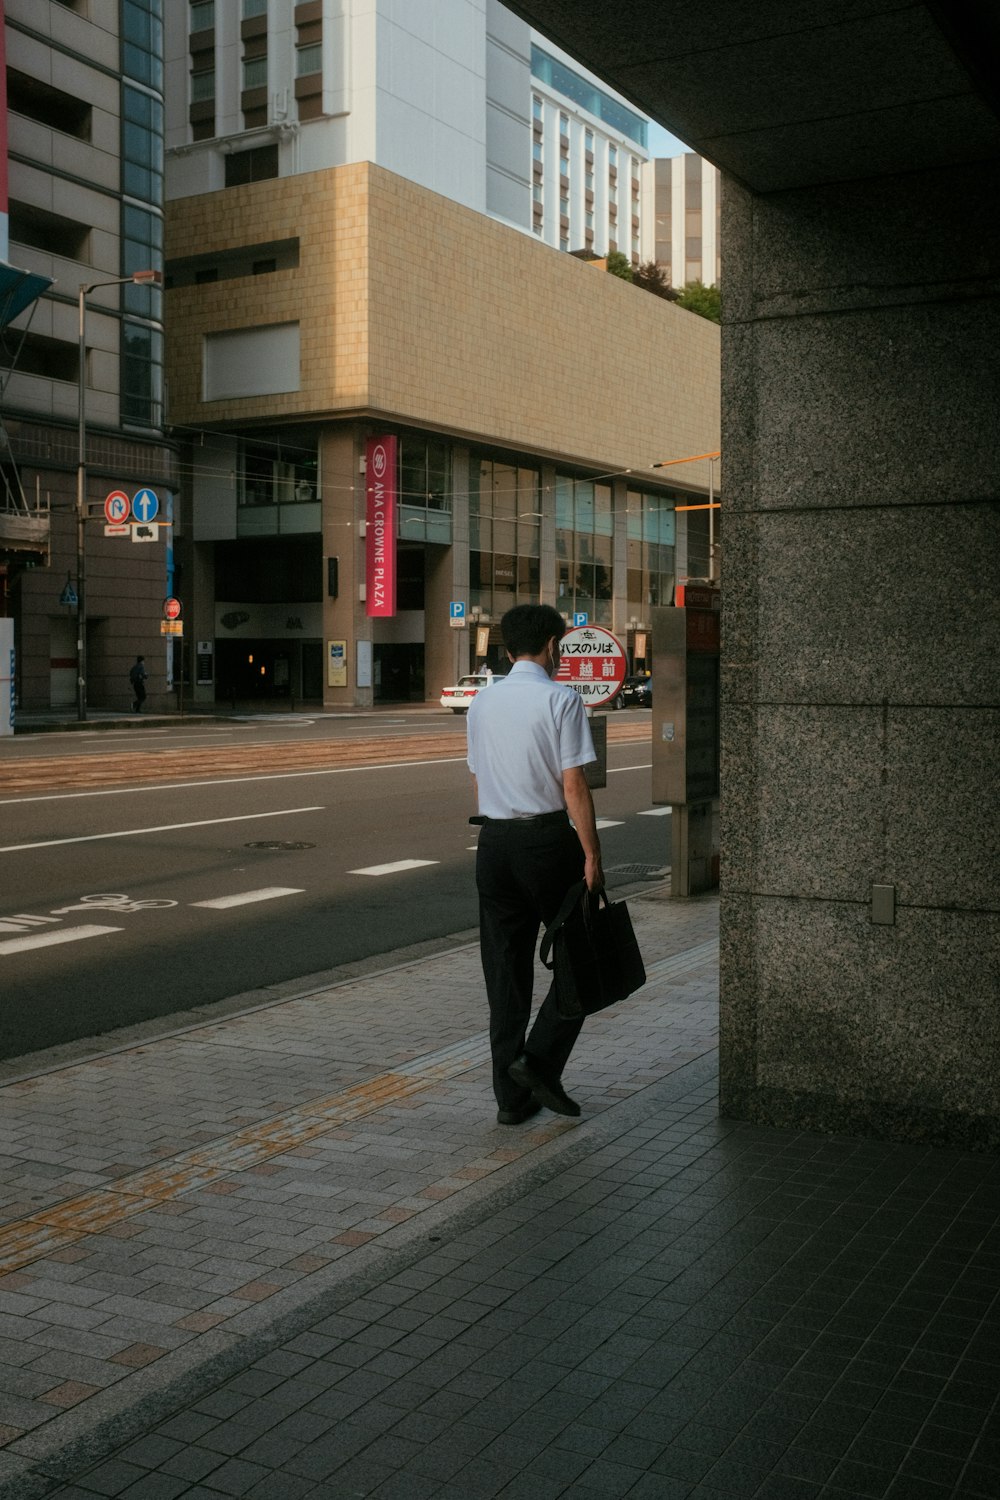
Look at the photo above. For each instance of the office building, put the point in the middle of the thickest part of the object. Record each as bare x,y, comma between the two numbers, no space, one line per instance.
84,155
681,218
347,260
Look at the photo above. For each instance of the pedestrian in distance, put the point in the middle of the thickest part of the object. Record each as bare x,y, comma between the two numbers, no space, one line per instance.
137,677
528,743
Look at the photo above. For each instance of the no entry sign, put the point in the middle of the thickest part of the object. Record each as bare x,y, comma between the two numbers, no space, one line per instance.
593,662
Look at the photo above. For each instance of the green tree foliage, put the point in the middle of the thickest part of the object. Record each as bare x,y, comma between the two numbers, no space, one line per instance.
704,300
620,265
653,278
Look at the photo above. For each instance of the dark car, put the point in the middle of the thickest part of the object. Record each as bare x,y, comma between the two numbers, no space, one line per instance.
637,692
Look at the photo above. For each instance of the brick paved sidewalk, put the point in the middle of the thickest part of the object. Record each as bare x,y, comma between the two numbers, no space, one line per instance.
290,1255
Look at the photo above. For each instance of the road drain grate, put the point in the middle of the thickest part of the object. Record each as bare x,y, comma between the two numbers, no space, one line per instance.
640,872
278,844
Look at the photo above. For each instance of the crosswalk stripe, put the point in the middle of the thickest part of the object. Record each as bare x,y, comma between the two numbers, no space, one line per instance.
49,939
654,812
397,865
609,823
267,893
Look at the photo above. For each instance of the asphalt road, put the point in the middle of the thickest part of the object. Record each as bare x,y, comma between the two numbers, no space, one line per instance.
125,902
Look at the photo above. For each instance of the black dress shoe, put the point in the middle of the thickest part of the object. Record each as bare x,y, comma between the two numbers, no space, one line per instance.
519,1112
547,1091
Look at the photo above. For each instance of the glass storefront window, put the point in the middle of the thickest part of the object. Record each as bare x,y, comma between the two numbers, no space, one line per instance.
584,557
651,532
504,535
278,471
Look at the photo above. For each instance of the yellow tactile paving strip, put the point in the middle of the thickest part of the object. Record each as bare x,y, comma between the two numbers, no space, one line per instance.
82,772
39,1233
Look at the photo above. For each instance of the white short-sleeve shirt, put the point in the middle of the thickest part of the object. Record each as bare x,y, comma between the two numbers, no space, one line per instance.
523,734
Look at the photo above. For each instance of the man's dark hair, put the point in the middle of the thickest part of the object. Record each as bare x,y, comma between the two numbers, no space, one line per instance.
527,628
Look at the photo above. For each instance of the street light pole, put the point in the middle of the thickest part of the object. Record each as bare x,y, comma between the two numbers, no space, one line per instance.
139,278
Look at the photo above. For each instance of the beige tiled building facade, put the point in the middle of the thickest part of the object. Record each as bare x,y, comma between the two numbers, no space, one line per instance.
311,312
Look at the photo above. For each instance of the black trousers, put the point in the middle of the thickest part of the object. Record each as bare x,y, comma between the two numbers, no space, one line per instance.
523,871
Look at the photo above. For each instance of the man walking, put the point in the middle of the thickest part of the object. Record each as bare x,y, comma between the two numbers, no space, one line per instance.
137,677
528,742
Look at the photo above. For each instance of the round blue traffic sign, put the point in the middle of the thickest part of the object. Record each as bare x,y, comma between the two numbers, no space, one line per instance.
145,505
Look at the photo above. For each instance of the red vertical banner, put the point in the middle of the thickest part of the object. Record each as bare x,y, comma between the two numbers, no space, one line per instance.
380,532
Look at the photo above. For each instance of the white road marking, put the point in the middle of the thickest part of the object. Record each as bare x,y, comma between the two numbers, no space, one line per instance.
399,864
130,833
655,812
609,823
647,765
268,893
49,939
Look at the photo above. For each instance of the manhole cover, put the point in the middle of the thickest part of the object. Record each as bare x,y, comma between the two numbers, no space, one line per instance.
640,872
278,844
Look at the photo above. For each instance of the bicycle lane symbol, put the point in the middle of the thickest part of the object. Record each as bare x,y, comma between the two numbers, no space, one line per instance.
115,903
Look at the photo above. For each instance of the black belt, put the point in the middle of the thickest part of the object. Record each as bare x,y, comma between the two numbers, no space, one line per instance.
536,818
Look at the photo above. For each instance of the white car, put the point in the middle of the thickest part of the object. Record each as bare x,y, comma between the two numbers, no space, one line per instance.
459,697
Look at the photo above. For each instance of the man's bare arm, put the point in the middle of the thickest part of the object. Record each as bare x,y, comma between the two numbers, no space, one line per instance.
580,805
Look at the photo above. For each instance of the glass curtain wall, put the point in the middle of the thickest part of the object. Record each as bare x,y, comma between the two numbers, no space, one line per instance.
584,555
504,536
425,490
142,210
651,537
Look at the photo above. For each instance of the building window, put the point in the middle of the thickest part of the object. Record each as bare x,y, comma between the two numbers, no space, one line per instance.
650,530
275,471
202,15
504,535
308,59
251,166
536,108
425,473
142,145
53,359
202,85
566,81
47,231
254,73
142,375
142,250
49,106
142,41
584,543
253,8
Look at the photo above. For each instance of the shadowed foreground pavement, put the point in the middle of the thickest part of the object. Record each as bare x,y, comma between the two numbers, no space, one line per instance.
290,1254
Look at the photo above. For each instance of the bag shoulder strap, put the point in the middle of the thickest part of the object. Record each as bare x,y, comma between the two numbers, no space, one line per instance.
571,900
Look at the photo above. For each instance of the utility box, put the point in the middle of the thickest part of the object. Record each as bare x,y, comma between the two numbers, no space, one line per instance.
6,676
596,771
686,734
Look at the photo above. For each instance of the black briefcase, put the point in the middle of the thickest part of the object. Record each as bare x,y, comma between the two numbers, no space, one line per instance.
591,949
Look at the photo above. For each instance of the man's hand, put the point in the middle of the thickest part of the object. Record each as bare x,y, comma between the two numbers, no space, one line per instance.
580,806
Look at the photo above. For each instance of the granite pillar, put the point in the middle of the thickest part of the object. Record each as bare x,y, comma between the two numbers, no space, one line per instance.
861,657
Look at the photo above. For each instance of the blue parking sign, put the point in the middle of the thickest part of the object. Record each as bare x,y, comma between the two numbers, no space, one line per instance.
580,619
456,609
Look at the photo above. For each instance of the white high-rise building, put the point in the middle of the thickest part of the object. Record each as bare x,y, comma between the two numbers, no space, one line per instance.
680,218
459,97
588,147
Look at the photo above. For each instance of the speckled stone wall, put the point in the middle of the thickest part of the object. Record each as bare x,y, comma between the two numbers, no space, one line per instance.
861,656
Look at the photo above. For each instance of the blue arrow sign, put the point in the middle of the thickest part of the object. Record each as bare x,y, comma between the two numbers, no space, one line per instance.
144,506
